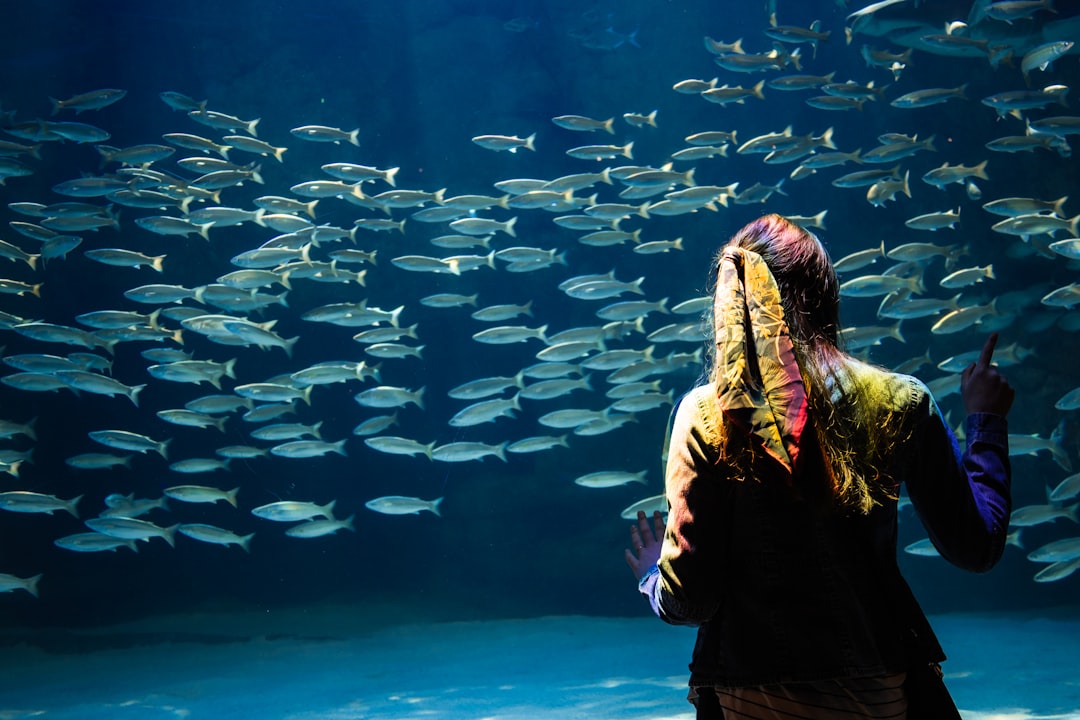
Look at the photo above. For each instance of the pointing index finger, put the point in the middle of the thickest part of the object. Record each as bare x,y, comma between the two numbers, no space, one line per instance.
988,350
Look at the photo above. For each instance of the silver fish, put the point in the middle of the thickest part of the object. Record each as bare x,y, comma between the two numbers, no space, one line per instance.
402,505
321,528
24,501
132,529
215,535
293,511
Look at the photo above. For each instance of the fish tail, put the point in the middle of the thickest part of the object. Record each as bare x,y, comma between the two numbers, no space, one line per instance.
30,584
827,139
169,534
106,153
1060,455
435,506
1059,206
133,394
245,542
395,315
72,506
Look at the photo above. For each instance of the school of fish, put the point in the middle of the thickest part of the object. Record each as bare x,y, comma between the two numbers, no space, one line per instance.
201,180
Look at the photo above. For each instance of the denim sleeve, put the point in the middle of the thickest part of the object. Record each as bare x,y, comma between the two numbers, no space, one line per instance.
963,499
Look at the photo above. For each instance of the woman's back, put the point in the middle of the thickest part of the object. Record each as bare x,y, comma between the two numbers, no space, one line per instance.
782,478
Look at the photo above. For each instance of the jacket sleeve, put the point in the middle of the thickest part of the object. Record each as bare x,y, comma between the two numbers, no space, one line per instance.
963,500
686,589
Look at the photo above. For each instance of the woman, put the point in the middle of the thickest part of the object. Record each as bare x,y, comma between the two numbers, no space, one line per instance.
782,481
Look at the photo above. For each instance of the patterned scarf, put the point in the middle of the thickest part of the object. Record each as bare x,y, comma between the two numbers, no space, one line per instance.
766,399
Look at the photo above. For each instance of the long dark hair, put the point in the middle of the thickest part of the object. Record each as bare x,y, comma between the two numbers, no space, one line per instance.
851,418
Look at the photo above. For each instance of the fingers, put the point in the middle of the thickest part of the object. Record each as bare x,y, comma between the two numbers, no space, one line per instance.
643,535
988,350
646,531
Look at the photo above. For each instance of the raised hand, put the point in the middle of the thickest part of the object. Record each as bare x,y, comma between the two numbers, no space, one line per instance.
983,387
647,542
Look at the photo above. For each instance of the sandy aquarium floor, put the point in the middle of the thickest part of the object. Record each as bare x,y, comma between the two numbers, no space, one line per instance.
315,665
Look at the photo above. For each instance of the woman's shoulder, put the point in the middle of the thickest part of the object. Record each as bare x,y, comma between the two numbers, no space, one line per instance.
699,408
894,389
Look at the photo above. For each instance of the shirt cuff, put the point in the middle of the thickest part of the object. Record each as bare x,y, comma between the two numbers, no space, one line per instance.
647,586
987,428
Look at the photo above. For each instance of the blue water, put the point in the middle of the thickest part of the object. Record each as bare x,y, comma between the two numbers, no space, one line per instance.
419,80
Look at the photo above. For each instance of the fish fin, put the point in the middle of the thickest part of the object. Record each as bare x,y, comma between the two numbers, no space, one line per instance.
31,583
